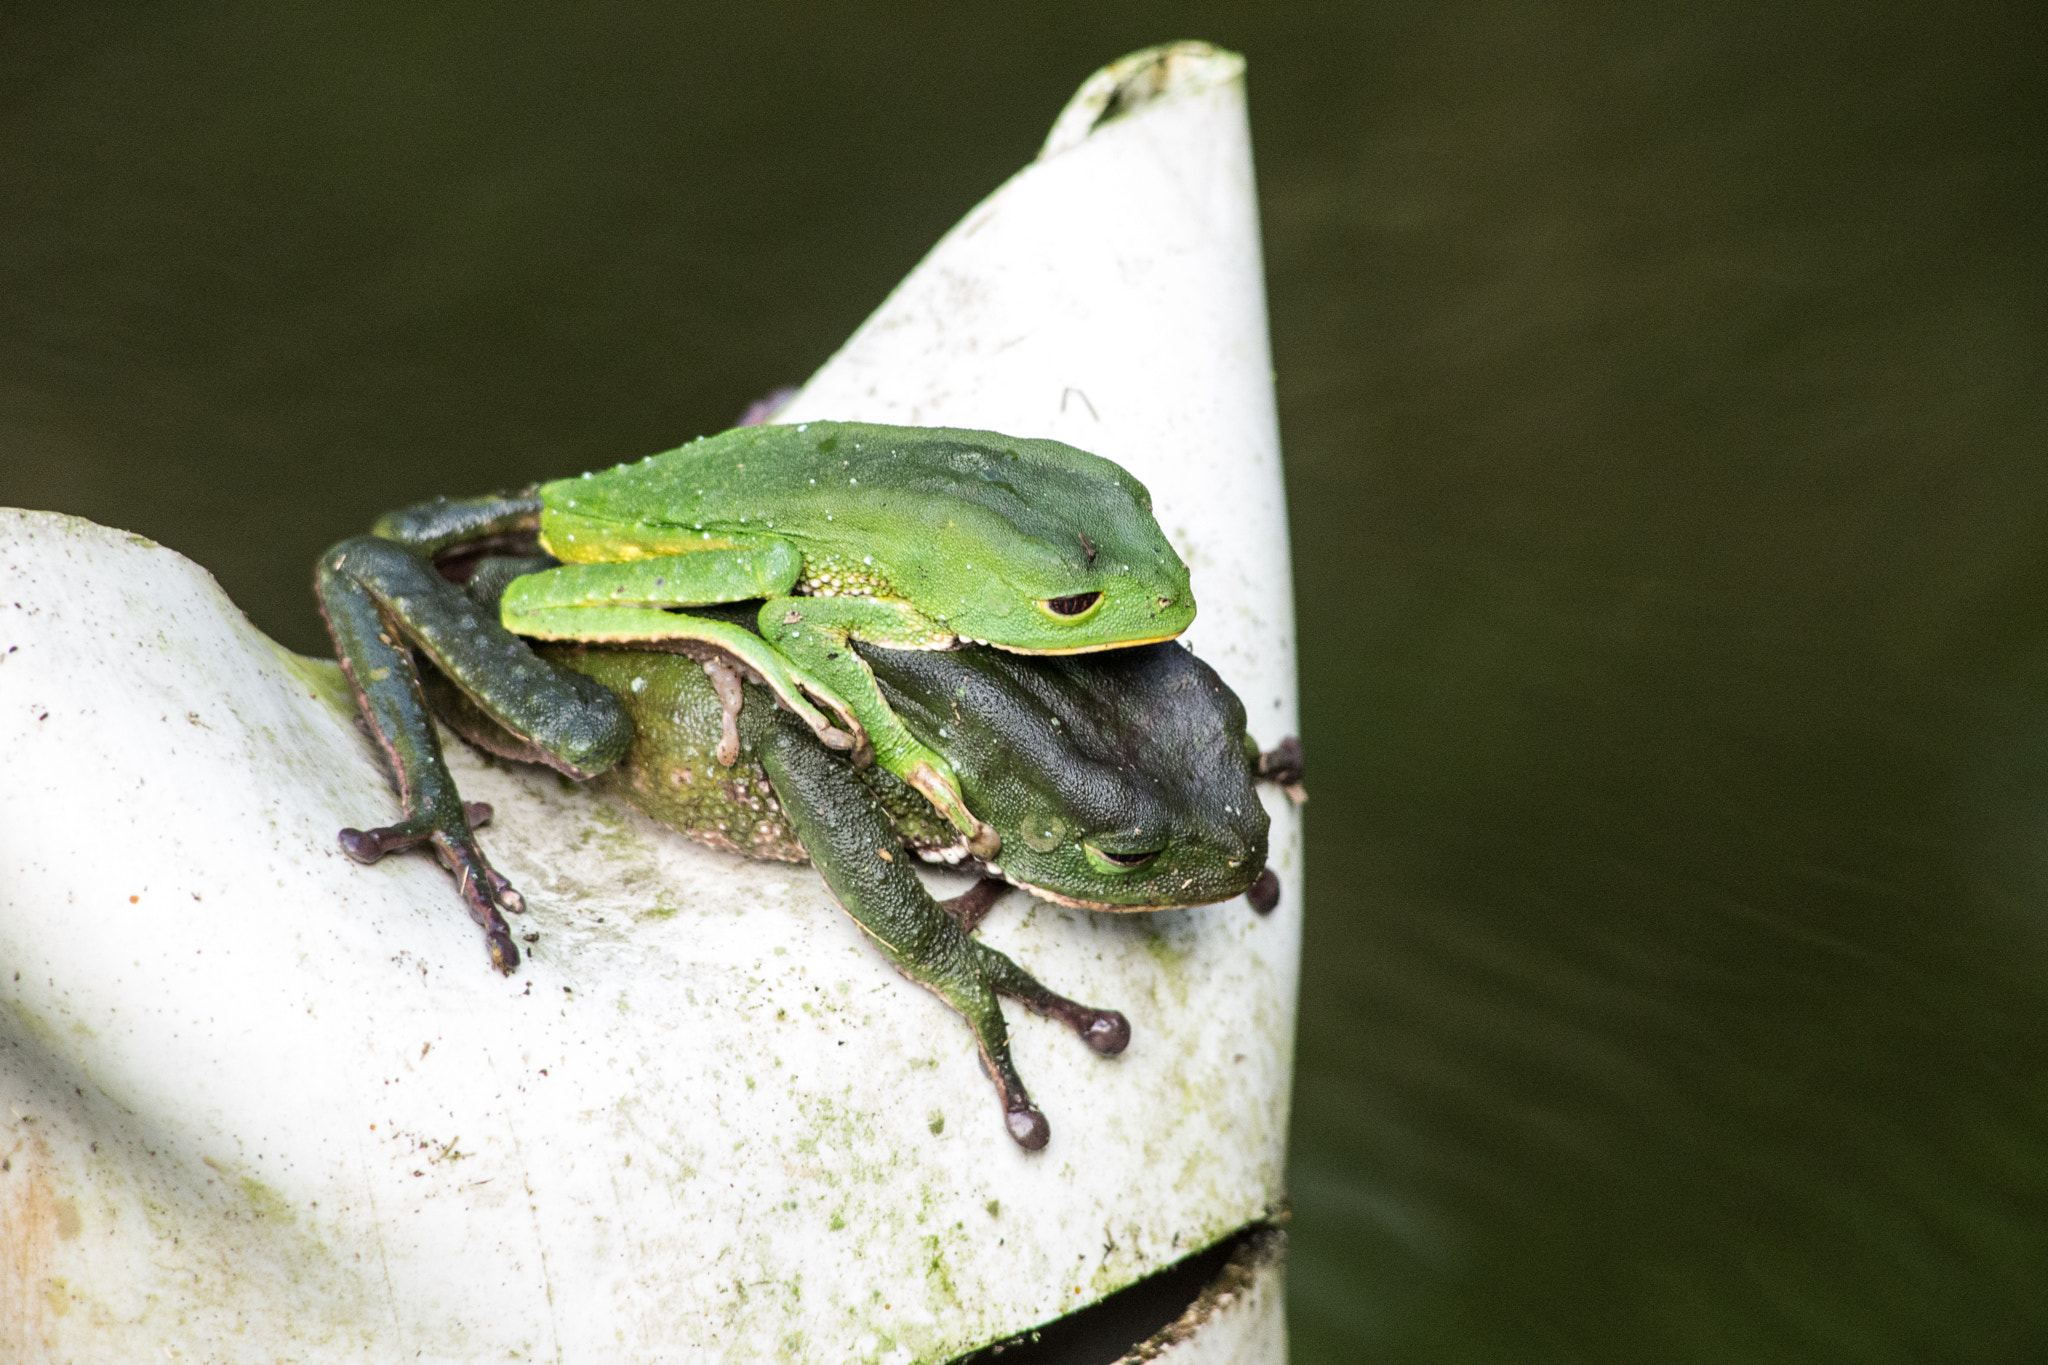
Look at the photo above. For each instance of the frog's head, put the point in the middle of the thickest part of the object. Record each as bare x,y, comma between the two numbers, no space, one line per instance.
1118,780
1029,545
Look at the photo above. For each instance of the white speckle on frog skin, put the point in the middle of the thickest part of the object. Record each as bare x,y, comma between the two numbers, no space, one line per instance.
639,684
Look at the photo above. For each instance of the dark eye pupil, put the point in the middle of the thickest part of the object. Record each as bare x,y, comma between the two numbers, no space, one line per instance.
1129,859
1072,605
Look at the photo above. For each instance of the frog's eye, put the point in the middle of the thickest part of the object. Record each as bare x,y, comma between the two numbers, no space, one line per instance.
1073,607
1120,862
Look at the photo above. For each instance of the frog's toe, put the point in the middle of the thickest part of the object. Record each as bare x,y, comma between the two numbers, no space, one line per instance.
503,892
1107,1033
832,737
1026,1124
848,737
1283,763
727,683
368,845
1028,1127
504,953
483,890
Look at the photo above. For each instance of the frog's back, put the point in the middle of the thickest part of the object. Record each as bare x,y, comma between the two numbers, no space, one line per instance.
839,483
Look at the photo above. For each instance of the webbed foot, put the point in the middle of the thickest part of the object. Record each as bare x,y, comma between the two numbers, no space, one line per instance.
484,890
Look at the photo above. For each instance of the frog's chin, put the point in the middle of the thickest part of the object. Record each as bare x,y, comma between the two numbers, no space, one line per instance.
1080,904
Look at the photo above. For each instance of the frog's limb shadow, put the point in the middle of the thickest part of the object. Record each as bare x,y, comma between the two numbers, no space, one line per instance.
377,594
856,849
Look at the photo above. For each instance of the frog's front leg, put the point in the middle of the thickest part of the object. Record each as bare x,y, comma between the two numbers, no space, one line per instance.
634,601
818,632
376,595
855,847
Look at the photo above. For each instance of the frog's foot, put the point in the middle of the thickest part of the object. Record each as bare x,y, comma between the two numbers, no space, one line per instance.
1104,1031
971,906
1282,765
849,737
484,889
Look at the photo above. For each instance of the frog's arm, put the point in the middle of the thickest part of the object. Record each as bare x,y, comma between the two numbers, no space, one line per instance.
818,632
622,603
863,861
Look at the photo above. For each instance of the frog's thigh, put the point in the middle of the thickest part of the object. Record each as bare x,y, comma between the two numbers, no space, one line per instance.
567,716
647,625
732,574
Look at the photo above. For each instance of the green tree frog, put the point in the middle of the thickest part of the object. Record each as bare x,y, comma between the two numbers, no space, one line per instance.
909,537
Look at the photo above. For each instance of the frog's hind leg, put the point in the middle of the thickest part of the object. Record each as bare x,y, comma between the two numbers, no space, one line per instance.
639,602
855,848
375,594
571,721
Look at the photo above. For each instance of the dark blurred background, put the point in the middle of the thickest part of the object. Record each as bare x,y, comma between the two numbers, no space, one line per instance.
1663,397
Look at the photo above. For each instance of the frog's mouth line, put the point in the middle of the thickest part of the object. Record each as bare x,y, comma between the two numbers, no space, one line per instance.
1077,649
1078,904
